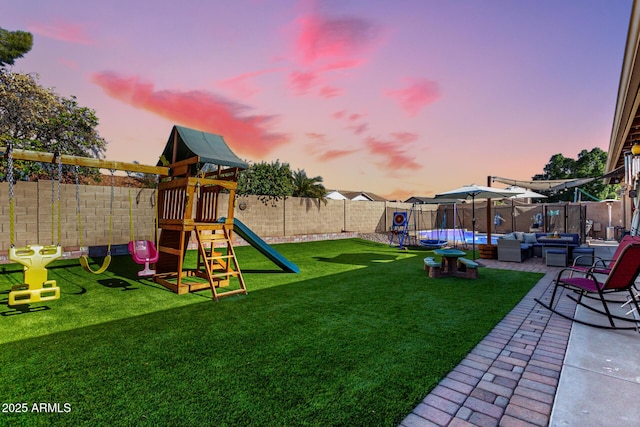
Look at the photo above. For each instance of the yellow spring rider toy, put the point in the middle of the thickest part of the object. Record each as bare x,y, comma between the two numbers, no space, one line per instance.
34,258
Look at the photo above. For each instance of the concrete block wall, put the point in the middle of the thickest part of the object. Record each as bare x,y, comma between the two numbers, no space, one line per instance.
290,217
308,216
366,217
34,222
300,216
283,220
264,218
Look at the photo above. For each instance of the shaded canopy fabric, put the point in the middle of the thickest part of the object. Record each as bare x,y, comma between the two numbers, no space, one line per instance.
558,184
525,194
546,185
210,147
478,192
430,200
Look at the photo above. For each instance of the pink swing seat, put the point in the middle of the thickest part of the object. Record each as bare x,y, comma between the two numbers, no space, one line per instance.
144,252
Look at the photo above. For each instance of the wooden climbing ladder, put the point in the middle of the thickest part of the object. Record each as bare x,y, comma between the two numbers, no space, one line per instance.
217,267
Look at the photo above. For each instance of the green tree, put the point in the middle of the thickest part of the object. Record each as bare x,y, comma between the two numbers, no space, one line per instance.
143,180
304,186
269,181
559,167
35,118
13,45
589,164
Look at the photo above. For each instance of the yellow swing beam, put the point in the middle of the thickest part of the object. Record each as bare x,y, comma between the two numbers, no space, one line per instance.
65,159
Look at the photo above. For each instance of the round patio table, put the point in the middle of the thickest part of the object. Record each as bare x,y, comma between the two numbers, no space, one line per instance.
450,258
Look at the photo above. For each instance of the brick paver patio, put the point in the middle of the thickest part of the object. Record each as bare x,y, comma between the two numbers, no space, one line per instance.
510,378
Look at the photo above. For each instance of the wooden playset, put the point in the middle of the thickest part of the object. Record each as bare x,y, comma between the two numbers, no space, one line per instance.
188,202
188,198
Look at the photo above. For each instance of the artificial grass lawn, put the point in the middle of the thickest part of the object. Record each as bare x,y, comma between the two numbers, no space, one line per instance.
359,337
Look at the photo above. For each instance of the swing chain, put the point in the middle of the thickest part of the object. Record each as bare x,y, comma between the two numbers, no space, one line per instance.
131,231
113,171
51,171
59,156
77,172
153,199
11,196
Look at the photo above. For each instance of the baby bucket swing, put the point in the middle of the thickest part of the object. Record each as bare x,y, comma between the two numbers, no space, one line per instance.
142,251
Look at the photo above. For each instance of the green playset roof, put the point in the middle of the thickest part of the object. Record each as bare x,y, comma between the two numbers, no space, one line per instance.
185,143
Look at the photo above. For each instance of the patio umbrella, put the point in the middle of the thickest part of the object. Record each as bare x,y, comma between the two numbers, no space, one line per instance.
474,192
524,194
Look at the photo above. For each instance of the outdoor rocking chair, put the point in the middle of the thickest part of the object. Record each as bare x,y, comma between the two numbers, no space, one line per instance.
621,278
599,265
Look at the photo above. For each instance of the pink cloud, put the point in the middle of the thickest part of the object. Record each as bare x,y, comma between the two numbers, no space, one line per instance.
68,63
405,137
317,148
417,95
342,65
393,153
330,92
316,136
303,82
335,154
353,121
64,31
322,37
359,129
241,86
328,44
249,135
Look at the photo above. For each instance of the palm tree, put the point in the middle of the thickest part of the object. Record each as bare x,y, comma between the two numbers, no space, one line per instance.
303,186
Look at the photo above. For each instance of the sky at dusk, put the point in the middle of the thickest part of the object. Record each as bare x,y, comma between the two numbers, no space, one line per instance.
394,97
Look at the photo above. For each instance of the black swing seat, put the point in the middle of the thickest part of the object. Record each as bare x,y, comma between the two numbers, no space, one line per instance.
433,243
620,281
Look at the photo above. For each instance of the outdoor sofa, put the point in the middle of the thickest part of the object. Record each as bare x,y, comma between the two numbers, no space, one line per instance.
518,246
